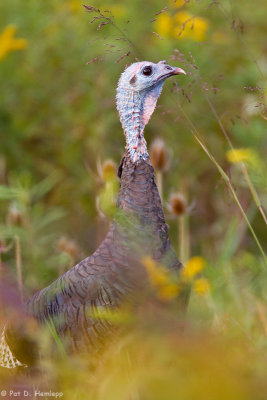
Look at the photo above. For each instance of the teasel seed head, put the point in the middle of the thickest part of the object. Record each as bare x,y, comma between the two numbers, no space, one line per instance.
177,204
159,155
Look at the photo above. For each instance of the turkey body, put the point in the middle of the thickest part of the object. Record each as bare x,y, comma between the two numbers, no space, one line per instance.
114,271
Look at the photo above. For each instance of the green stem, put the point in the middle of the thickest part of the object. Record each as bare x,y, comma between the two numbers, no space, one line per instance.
182,239
159,183
243,167
228,15
119,30
228,182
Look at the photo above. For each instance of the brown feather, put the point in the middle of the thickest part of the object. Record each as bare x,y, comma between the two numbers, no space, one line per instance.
114,271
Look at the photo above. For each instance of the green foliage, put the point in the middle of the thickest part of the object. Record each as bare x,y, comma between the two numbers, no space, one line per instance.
58,123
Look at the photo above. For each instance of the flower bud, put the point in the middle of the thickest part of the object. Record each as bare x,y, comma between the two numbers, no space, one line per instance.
159,155
108,170
177,204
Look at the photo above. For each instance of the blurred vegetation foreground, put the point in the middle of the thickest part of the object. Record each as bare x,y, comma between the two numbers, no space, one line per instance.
60,145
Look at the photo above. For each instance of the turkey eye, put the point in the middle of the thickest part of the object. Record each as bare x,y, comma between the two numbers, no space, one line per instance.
147,71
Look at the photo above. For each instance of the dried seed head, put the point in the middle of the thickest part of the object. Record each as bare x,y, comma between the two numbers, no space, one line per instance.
108,170
68,246
177,204
15,216
159,155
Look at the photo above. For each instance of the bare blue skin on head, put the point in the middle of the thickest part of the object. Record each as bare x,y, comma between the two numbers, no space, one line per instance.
139,88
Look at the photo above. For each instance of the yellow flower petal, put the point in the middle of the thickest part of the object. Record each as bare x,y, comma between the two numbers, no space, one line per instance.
186,25
164,25
169,291
19,44
192,268
160,279
8,43
241,155
8,32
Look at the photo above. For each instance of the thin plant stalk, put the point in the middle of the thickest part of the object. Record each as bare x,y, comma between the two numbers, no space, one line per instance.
243,166
159,182
53,331
183,234
115,26
262,315
216,319
187,237
182,239
228,15
121,32
227,181
19,265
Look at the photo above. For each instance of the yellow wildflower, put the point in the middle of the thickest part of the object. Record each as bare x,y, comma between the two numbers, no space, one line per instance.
157,275
164,25
236,156
200,28
201,286
192,268
160,280
169,291
187,25
8,43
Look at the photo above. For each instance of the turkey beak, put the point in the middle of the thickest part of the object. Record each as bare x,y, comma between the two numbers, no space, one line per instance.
178,71
169,71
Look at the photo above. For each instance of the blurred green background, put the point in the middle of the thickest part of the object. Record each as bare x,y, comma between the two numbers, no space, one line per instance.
59,126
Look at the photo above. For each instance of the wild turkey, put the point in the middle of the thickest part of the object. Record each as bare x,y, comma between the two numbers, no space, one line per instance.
115,271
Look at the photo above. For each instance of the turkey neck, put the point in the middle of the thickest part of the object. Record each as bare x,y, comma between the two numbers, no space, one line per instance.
135,109
130,110
139,197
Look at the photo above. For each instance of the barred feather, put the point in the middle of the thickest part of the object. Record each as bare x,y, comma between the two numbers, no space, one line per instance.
7,359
